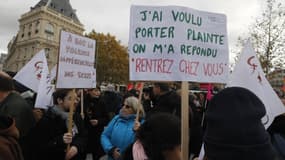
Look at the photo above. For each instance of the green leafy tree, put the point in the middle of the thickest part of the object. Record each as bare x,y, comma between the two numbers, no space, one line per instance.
267,35
111,59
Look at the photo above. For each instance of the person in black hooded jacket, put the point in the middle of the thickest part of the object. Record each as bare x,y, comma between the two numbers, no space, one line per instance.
96,119
50,137
166,101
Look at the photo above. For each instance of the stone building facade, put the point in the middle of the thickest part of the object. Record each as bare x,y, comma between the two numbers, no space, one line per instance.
40,29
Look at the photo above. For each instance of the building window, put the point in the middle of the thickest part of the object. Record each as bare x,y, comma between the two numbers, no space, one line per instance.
33,51
18,54
47,52
49,37
37,24
49,29
29,34
37,27
25,53
23,35
30,26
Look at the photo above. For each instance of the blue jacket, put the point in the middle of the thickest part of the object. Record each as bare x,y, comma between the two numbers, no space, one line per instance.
119,133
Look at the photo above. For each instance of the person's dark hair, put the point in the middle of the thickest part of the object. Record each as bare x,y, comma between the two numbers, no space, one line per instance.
163,86
6,83
60,93
134,93
5,121
98,88
161,132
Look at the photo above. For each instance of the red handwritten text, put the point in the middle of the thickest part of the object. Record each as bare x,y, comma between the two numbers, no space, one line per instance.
188,67
154,65
213,69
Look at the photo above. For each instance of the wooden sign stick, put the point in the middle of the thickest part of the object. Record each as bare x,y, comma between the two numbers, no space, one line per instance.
81,105
70,117
185,120
140,103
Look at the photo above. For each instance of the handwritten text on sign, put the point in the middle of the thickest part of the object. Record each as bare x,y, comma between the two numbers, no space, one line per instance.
76,62
177,44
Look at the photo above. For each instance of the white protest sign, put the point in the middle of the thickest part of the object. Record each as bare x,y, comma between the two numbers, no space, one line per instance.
249,74
30,74
45,89
76,62
171,43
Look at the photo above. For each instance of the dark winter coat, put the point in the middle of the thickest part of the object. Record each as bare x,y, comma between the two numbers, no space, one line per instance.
169,102
277,125
95,109
9,146
196,131
47,137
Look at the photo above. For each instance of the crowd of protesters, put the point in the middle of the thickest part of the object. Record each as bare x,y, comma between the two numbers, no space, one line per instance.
123,128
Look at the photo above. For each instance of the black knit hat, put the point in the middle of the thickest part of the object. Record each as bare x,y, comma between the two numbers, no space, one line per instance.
234,128
5,121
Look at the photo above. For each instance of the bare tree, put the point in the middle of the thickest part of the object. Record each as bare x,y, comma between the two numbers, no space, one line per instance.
111,59
267,35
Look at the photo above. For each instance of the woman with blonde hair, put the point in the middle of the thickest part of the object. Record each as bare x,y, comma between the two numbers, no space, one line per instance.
120,132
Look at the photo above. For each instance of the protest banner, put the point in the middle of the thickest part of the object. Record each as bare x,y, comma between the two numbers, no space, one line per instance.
171,43
75,68
30,74
76,62
249,74
45,89
51,79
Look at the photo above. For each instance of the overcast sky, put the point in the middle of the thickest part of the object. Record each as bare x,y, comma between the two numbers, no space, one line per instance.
112,16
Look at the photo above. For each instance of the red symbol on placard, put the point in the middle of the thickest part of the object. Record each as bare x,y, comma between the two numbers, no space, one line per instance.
39,69
253,65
